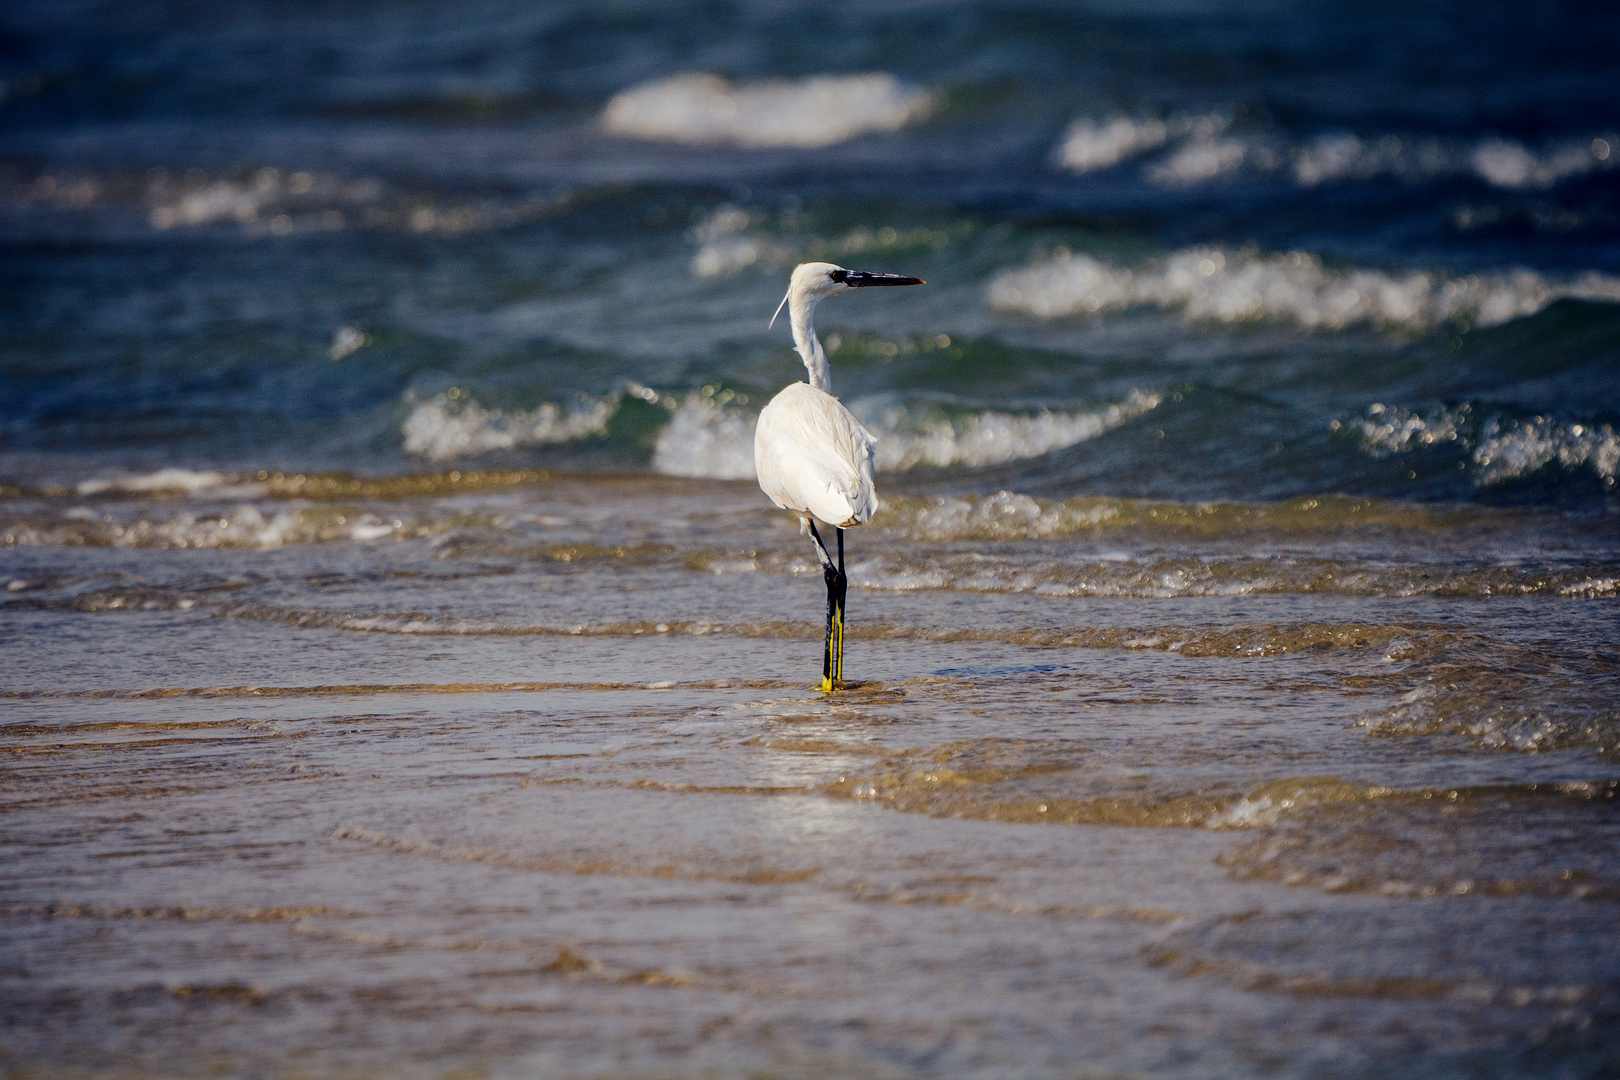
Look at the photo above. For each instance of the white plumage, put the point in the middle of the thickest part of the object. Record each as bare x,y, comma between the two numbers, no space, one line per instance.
811,454
814,457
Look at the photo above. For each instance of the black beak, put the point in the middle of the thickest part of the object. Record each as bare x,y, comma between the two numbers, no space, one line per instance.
860,279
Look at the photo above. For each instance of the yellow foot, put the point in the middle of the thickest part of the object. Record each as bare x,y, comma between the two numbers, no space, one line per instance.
829,685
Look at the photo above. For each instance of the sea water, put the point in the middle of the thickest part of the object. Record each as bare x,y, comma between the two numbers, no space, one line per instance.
403,676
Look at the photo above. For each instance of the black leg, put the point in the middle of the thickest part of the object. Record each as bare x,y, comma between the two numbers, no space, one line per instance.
832,656
843,588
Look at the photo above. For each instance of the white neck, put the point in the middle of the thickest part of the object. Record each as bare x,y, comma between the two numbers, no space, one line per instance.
802,310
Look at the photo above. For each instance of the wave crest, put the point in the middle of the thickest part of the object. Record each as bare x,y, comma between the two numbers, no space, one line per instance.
725,249
1514,448
1243,285
1524,713
239,527
1201,149
451,425
186,481
268,201
705,438
1500,447
909,437
819,111
1090,144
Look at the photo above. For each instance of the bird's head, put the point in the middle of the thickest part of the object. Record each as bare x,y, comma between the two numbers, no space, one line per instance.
815,281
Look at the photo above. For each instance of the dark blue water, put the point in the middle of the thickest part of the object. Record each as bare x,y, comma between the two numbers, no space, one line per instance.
200,199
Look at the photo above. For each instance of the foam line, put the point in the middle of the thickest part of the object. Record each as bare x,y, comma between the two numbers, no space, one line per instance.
1240,285
820,111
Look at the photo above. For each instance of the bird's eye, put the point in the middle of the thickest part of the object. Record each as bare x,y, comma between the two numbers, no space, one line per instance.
838,275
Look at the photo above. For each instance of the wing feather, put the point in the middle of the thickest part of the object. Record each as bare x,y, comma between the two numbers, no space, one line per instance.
813,456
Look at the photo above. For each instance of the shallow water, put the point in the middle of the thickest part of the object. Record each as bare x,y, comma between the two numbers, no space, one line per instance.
404,676
539,784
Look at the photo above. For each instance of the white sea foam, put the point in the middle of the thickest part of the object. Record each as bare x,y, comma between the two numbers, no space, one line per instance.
1197,161
269,201
1591,587
347,340
722,258
1233,286
706,436
244,526
1005,516
1201,149
1500,448
1502,163
1341,155
907,439
726,245
451,425
725,249
704,439
187,480
1513,448
819,111
1510,165
1254,812
1091,144
1389,430
222,200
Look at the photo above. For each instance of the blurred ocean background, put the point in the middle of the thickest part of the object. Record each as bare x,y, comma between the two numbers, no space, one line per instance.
403,673
1328,246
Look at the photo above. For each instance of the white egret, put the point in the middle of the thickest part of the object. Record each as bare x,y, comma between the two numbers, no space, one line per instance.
812,456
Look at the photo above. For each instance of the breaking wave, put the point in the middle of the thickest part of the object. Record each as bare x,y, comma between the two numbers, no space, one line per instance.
179,481
238,527
819,111
273,202
910,436
725,250
706,439
280,204
705,435
1198,149
210,486
1502,163
1499,447
1089,145
710,432
451,425
1244,285
726,244
1513,448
